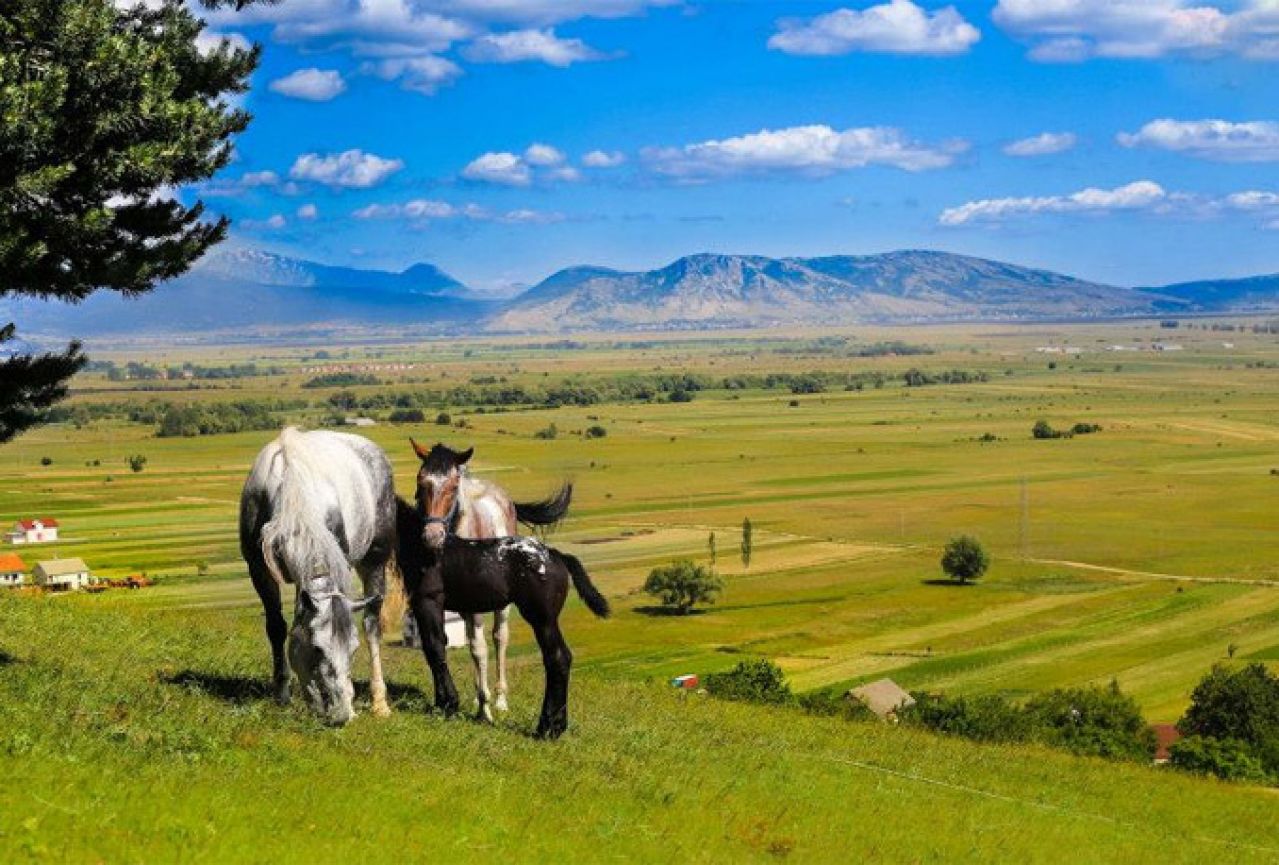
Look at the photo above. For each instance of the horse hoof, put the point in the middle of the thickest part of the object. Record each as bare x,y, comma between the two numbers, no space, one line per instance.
500,703
485,714
381,710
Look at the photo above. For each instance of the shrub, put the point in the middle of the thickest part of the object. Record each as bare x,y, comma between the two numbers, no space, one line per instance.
680,395
1044,430
683,584
406,415
137,462
1242,705
595,432
758,681
46,461
1081,429
1102,722
1227,759
443,419
989,718
965,559
547,433
836,704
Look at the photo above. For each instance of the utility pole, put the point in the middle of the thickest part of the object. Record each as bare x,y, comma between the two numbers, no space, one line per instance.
1023,529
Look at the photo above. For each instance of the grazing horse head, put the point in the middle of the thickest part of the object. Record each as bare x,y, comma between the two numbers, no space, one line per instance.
438,490
321,646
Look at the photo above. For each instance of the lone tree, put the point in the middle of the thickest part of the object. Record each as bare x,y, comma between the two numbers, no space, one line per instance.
714,551
746,543
104,111
964,559
683,584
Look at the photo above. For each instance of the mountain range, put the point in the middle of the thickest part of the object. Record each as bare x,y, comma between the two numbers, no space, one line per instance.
253,293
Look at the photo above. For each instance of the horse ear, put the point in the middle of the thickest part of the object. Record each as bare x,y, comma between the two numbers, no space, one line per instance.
418,449
464,456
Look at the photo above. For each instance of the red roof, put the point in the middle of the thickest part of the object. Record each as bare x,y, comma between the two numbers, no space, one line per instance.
1166,735
47,522
11,564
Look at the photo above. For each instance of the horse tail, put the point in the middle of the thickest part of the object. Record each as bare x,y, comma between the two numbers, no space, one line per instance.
586,590
547,512
296,542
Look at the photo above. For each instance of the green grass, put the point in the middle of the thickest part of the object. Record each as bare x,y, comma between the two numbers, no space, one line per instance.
1140,554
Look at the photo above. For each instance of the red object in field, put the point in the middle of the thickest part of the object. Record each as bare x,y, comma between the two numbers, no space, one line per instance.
687,682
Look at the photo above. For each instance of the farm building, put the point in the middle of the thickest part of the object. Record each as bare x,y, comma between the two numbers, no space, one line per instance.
36,531
62,574
884,697
13,571
1166,735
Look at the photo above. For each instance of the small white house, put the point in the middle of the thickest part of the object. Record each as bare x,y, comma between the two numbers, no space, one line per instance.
62,574
13,571
37,531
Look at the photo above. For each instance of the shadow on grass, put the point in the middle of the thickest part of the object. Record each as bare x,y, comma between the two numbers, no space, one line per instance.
6,659
941,582
236,690
668,611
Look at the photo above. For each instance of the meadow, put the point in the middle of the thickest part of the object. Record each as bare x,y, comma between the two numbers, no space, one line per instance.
136,726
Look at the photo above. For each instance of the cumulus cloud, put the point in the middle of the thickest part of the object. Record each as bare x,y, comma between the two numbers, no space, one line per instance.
1140,195
502,168
353,169
422,211
363,27
543,154
1218,140
1044,144
805,150
1065,31
538,163
603,159
308,211
313,85
272,223
520,46
210,41
896,27
424,75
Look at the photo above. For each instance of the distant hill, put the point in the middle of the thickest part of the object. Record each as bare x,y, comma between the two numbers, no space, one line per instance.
1251,294
240,290
751,290
247,293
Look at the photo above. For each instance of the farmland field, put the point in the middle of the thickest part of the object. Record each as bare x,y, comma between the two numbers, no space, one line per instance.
1143,553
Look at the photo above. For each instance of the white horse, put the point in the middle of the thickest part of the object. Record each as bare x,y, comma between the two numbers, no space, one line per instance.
317,506
454,503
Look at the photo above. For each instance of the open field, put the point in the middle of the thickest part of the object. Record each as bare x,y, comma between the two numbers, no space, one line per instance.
1143,553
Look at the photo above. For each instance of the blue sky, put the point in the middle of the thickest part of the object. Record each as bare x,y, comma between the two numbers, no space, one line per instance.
1127,141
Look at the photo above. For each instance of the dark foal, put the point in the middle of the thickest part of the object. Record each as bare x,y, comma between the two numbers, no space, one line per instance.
479,576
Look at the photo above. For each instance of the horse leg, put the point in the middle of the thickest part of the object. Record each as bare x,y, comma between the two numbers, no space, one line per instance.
429,613
501,639
480,659
375,586
277,630
557,659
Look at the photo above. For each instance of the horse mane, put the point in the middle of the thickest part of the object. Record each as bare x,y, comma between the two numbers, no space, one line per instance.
296,542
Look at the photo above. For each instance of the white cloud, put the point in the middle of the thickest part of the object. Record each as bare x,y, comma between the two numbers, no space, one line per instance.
425,74
211,40
353,169
308,211
543,154
273,223
1218,140
502,168
1140,195
314,85
422,211
1064,31
518,46
259,178
602,159
1254,200
545,12
896,27
1044,144
808,150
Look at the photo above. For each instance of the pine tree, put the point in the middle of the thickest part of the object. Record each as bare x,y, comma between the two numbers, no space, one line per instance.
104,111
710,542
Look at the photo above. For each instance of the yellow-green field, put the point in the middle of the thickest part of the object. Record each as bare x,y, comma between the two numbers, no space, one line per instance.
1143,553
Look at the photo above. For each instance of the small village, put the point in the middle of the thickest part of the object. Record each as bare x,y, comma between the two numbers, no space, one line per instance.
53,574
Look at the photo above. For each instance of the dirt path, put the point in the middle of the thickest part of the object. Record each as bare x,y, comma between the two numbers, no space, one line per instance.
1153,575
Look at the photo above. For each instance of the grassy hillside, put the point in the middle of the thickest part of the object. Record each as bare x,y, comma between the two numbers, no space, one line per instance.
132,732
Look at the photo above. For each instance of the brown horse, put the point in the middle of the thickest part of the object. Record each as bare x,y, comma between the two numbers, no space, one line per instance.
451,502
478,576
